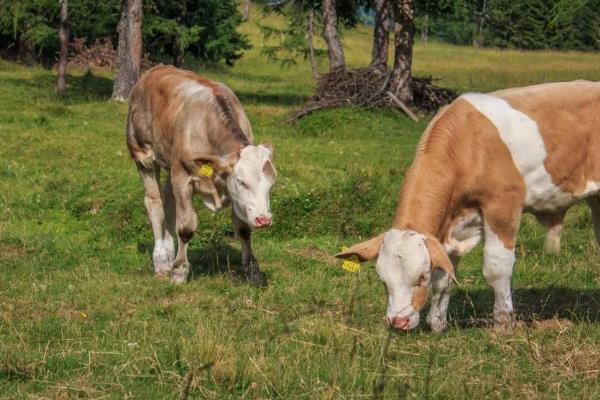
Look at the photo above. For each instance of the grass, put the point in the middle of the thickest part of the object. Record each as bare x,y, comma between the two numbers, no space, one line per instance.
81,315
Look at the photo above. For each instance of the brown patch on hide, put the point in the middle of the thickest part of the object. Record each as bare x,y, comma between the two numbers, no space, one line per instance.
419,299
461,163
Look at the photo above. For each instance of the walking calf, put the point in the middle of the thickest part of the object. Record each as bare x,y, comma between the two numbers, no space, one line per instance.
197,131
481,162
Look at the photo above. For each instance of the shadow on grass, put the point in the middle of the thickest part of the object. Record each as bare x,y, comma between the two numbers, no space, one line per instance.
210,260
81,88
470,309
90,87
215,259
273,99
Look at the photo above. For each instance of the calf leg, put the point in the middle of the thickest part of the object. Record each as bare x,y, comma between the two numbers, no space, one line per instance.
170,218
154,207
249,263
500,228
554,223
594,203
186,222
441,284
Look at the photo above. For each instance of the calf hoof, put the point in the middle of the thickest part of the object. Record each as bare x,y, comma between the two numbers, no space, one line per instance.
162,274
162,261
504,322
257,279
437,324
180,274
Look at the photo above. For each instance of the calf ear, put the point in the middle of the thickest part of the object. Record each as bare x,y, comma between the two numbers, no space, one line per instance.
220,164
269,170
269,147
439,258
365,251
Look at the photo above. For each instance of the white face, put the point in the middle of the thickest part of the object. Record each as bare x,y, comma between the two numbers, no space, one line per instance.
404,265
249,185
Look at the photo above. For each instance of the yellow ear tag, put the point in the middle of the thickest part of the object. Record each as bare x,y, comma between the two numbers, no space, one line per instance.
350,264
206,170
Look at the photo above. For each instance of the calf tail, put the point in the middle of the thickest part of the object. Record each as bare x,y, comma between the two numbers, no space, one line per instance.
143,156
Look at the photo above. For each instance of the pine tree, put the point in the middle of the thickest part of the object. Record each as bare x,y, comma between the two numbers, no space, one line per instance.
587,22
530,24
562,32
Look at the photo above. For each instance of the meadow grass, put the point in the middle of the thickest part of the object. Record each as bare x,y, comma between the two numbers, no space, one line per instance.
81,315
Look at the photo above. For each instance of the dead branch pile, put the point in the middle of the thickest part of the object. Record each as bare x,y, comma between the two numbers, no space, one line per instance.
370,88
99,55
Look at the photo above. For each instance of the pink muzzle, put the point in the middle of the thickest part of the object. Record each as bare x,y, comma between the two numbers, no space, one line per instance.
263,221
400,323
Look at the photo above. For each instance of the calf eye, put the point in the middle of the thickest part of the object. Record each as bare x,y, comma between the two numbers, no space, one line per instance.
421,281
242,183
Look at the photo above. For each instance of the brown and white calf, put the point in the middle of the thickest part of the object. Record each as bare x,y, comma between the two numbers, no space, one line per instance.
481,162
197,131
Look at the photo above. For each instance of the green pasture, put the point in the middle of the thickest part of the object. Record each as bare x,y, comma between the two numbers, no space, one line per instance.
81,315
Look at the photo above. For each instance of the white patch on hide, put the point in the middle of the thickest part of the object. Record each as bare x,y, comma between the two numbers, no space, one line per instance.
498,262
591,188
521,135
195,91
464,235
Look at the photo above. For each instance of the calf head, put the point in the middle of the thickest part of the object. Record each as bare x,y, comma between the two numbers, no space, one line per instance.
245,178
405,262
249,185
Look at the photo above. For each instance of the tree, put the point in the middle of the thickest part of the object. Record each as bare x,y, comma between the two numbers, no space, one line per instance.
129,49
310,30
480,14
563,31
296,38
381,34
530,26
63,37
404,15
205,29
425,10
246,10
335,50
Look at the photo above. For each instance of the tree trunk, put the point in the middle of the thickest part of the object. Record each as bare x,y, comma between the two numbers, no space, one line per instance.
178,53
129,50
404,14
425,29
480,16
311,45
178,47
335,51
246,10
63,37
381,35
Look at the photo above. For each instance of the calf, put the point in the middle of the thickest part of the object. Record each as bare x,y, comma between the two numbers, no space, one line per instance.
481,162
197,131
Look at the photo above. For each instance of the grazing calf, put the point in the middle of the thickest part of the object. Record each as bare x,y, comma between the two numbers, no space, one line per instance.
481,162
197,130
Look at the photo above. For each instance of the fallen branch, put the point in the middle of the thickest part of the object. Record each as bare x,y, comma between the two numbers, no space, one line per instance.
308,108
403,106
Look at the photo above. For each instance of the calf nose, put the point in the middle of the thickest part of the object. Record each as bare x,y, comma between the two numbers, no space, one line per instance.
400,323
263,220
